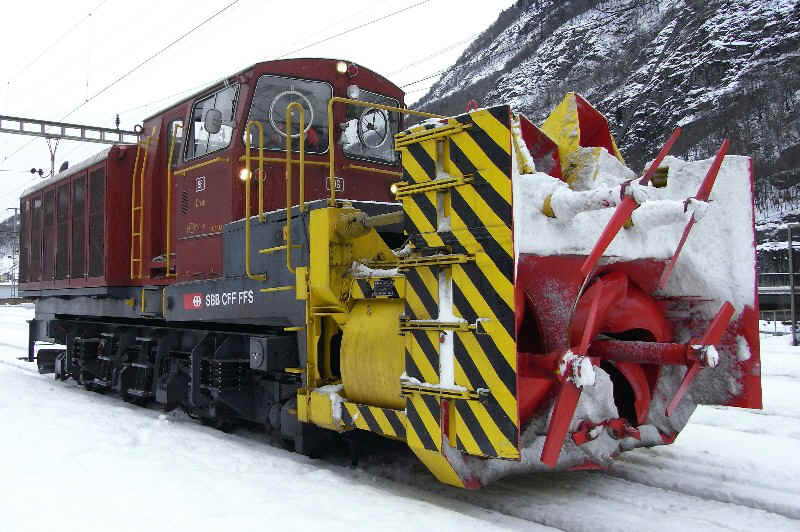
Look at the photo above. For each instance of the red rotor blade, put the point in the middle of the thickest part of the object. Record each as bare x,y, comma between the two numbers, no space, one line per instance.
694,369
702,194
712,336
645,180
563,412
718,325
591,323
711,176
624,210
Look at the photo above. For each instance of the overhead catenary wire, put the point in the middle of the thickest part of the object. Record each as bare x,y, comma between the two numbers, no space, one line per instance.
153,56
594,24
434,54
304,47
134,69
58,39
315,43
354,28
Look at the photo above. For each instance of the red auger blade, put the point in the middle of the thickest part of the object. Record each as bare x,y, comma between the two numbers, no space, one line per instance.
591,323
645,180
624,211
714,333
563,412
712,336
568,395
702,194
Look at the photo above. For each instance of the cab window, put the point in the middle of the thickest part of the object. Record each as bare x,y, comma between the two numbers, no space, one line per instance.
369,132
212,123
272,96
175,127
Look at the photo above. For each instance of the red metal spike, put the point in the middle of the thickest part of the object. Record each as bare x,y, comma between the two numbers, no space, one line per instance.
624,211
702,194
712,336
563,412
645,180
591,323
718,325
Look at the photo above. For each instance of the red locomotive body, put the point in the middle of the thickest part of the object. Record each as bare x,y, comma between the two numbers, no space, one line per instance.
106,222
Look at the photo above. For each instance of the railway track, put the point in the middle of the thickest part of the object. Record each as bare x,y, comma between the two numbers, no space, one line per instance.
721,474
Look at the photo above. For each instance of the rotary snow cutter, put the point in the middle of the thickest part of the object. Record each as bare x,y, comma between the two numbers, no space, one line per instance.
551,308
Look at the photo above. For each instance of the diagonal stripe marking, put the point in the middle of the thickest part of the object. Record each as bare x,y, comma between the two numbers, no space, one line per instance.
417,426
474,427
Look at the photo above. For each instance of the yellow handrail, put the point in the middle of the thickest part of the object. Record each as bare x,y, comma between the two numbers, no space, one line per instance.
140,207
331,140
133,202
248,140
141,199
294,161
169,196
183,171
288,228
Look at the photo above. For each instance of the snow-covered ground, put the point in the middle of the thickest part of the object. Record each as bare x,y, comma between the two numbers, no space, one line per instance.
75,460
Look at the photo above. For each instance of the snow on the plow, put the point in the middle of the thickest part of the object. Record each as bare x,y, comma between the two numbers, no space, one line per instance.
75,460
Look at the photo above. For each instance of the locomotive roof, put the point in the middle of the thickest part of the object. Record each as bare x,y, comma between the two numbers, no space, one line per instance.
251,67
79,167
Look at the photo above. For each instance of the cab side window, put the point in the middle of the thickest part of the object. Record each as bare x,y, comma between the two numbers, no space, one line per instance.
212,123
175,127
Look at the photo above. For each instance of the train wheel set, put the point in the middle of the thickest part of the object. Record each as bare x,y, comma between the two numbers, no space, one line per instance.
503,298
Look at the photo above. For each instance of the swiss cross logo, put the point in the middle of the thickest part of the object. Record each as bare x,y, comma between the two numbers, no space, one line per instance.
193,301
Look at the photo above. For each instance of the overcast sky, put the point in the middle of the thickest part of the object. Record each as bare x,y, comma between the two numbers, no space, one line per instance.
54,55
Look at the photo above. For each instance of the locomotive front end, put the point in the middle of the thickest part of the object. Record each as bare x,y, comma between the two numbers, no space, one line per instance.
551,308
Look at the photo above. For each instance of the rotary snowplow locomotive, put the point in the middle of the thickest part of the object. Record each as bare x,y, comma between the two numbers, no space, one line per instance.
519,301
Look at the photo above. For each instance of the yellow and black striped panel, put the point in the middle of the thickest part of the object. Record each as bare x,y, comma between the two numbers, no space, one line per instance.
485,144
422,293
384,421
423,429
419,161
480,214
477,431
422,355
421,219
420,165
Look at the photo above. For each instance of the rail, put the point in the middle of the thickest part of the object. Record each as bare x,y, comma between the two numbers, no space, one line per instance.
215,160
248,177
136,262
169,199
332,140
287,230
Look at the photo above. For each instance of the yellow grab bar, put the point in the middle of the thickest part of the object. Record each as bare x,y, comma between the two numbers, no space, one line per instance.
133,202
169,195
287,231
248,176
215,160
331,140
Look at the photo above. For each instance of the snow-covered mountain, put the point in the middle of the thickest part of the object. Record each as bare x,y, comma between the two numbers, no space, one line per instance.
717,68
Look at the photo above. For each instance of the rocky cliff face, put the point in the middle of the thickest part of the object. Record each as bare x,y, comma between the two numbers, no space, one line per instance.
717,68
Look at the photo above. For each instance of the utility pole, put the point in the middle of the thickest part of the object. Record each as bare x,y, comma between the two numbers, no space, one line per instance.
14,252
